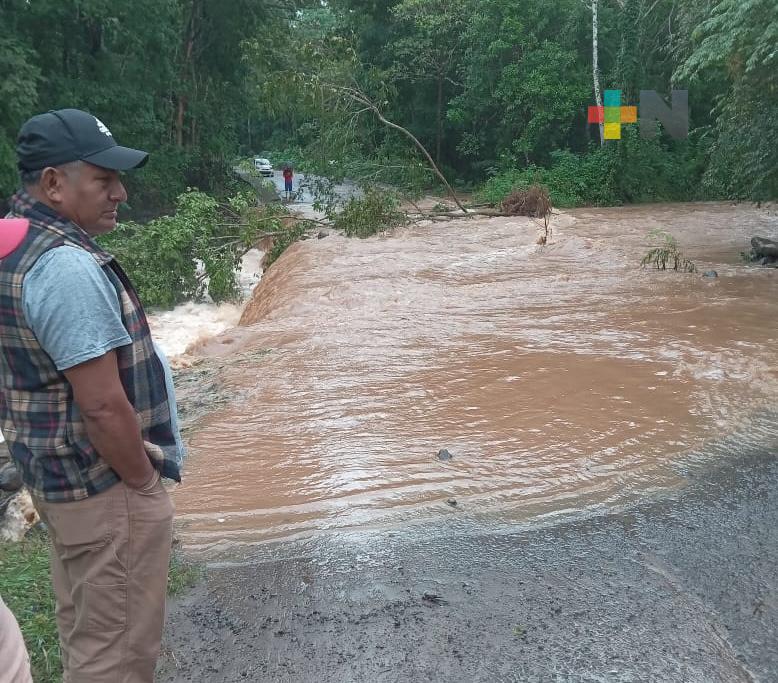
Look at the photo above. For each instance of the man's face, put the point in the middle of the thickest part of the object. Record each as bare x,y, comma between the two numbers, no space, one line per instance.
90,196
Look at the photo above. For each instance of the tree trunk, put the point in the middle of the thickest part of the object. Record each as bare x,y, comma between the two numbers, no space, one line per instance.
439,119
180,120
359,97
185,68
596,64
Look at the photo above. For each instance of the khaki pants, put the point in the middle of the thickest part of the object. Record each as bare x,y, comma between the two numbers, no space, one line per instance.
109,564
14,662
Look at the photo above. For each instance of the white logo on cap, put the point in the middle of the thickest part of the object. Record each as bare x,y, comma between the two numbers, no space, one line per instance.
102,127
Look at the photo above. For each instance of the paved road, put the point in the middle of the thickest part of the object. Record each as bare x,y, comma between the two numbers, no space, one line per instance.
304,185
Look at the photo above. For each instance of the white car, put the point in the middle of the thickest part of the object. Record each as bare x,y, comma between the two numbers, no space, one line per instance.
263,166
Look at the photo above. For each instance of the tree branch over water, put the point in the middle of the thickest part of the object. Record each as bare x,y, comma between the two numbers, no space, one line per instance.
357,96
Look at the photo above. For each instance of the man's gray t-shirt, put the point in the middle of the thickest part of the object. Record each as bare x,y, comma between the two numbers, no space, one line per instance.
74,310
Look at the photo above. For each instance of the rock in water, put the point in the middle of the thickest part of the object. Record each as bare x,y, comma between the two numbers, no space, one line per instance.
710,273
764,247
433,599
444,455
10,479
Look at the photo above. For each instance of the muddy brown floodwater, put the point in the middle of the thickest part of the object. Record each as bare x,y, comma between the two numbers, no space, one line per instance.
561,378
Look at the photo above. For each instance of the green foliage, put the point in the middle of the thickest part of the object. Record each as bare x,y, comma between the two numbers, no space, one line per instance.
484,85
631,170
162,256
667,253
429,51
285,239
525,80
374,212
168,76
26,588
572,180
247,166
182,574
516,82
736,42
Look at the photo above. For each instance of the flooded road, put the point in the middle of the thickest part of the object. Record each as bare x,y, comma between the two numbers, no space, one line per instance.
560,378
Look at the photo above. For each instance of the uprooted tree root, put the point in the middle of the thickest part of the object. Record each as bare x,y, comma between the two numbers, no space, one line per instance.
532,201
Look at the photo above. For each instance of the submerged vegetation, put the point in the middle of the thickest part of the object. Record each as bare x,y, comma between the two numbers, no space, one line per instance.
364,216
667,254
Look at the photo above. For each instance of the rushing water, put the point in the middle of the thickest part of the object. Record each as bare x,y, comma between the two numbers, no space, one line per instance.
191,323
559,377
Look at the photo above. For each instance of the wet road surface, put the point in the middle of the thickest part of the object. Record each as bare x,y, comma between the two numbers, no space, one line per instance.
680,589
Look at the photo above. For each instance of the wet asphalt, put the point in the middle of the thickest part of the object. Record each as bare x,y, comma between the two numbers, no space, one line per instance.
680,587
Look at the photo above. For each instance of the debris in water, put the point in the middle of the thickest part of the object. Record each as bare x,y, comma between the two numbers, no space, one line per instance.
452,502
433,599
444,454
710,273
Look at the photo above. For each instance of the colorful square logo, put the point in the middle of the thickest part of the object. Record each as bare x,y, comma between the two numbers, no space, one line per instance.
612,115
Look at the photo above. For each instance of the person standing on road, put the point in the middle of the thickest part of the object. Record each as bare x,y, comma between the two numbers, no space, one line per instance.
84,401
288,181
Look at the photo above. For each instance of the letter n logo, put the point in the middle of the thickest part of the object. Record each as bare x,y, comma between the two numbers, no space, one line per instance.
675,119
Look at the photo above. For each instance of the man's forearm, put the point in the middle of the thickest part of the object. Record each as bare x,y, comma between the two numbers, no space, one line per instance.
114,432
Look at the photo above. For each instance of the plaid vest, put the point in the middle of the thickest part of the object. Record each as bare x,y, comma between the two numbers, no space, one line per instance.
39,418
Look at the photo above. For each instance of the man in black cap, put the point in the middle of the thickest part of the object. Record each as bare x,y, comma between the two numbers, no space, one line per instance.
85,404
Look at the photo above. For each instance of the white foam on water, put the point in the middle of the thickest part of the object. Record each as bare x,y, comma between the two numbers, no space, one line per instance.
193,322
188,323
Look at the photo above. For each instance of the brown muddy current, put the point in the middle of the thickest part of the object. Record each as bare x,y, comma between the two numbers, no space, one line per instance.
561,378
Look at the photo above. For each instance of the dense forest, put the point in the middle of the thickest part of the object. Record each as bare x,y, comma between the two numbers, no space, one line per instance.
496,90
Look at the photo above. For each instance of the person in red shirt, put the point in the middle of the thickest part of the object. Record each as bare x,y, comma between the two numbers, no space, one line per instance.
288,176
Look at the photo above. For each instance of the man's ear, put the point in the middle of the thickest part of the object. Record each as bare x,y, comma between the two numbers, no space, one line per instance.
51,183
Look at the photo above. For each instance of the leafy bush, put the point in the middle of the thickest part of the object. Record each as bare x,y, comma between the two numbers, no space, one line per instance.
375,211
194,252
572,180
247,167
630,170
287,237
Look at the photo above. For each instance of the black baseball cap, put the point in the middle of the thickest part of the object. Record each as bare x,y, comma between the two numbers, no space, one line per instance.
59,137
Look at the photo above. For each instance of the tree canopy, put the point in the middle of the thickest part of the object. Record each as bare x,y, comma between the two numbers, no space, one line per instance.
496,90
